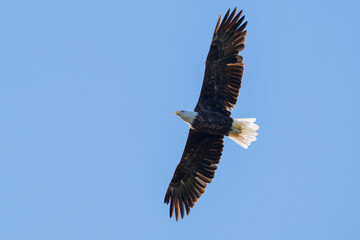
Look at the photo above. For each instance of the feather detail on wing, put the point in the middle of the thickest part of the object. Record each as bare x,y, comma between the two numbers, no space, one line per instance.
224,67
195,170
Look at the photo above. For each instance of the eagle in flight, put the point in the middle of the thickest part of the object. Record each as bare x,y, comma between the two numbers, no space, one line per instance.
210,121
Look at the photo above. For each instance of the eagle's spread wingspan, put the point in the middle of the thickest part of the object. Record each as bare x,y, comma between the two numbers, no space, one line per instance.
220,89
195,170
224,67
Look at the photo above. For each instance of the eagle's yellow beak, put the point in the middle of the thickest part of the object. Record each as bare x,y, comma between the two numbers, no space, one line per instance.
176,113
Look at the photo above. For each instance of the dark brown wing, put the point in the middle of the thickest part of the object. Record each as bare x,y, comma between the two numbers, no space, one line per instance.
195,170
224,67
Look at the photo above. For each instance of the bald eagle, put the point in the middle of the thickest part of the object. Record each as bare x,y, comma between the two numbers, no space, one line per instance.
210,121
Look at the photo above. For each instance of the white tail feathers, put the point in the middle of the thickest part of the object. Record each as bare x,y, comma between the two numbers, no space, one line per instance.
243,131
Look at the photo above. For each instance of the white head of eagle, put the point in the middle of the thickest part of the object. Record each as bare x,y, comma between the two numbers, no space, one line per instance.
187,116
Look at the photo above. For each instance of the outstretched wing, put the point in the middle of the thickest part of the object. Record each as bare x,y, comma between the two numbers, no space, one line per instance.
195,170
224,67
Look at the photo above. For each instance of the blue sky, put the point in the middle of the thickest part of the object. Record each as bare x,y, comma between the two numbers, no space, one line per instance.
89,141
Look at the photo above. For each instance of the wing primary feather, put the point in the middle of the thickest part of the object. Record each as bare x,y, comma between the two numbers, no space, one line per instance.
230,17
224,19
196,191
199,182
206,173
187,207
204,178
187,198
239,40
237,24
177,209
232,24
199,188
182,209
218,25
171,207
192,196
242,27
166,199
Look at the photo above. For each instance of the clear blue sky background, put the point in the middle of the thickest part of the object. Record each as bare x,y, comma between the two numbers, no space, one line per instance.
89,141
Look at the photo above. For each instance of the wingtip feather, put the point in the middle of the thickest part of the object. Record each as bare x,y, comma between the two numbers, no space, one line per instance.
218,25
